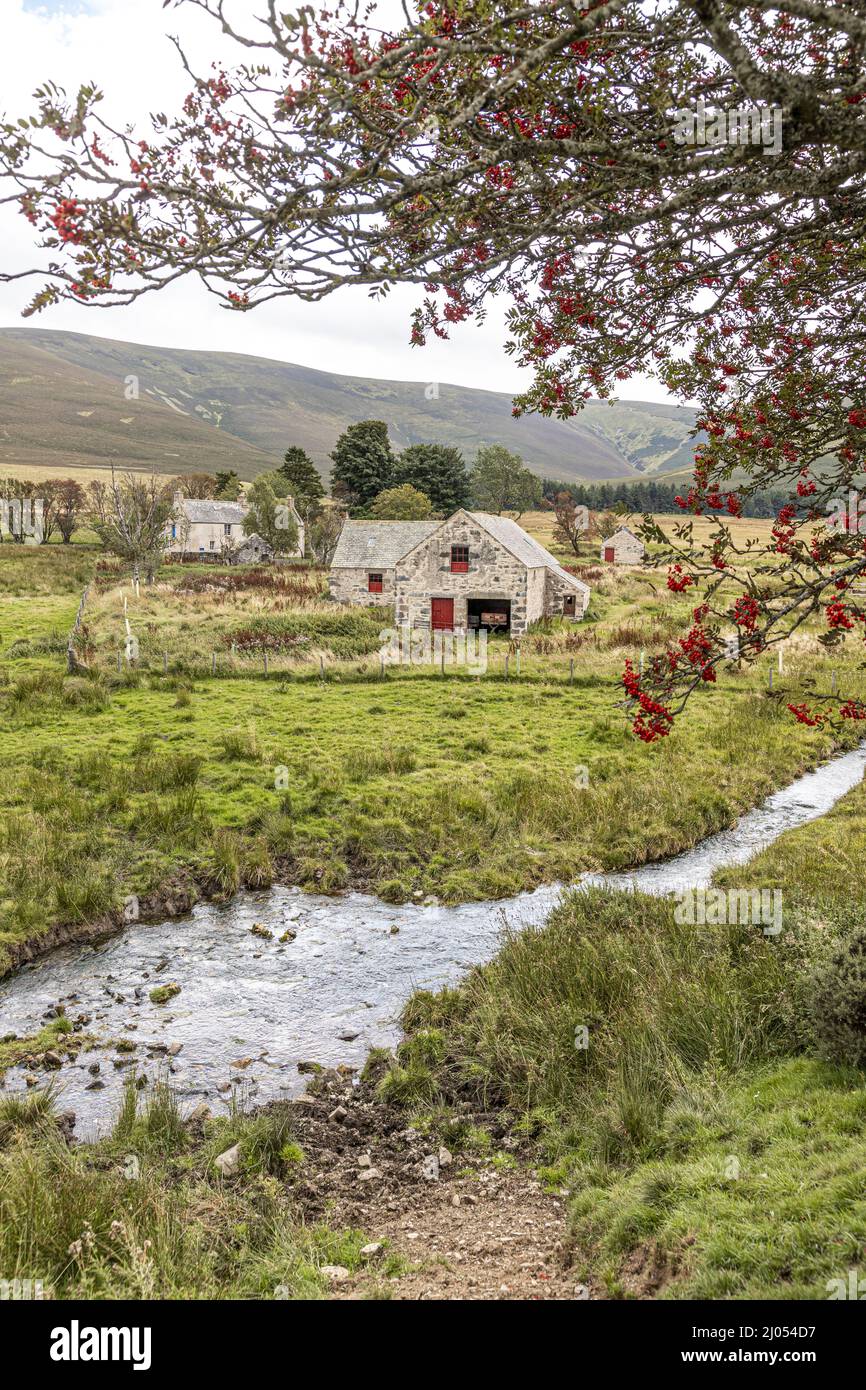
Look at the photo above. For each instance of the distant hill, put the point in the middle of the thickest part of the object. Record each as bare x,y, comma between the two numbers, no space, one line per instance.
62,400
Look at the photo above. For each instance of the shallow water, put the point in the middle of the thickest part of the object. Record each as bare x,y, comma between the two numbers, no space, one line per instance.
331,993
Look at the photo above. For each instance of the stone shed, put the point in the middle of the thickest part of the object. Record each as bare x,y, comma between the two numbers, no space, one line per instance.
477,570
623,548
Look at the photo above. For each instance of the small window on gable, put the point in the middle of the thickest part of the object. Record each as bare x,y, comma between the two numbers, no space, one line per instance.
459,559
374,583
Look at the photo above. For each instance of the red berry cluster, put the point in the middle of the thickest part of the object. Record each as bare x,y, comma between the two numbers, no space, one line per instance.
64,218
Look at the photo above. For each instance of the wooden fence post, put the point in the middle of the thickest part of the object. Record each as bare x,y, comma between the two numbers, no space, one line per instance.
266,662
165,663
506,665
571,671
213,663
771,680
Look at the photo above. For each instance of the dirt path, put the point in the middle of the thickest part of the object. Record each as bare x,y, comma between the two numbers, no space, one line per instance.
499,1238
459,1225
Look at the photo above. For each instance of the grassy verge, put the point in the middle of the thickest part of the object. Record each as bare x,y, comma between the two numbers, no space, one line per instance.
762,1197
468,789
145,1214
821,862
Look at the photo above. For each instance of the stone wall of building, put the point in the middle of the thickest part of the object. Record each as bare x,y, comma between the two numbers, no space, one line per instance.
556,589
493,573
536,593
212,537
351,586
628,550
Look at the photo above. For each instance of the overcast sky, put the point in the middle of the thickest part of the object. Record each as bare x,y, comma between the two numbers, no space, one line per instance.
122,45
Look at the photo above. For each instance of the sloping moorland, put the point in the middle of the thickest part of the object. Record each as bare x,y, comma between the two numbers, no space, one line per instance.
211,410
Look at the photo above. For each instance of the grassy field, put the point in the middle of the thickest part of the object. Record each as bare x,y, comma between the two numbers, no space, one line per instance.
465,786
710,1137
743,531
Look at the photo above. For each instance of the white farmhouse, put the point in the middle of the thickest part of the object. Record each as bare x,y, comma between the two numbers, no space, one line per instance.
623,548
200,527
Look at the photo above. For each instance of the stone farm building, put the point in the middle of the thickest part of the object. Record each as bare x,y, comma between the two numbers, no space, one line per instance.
204,528
623,548
474,570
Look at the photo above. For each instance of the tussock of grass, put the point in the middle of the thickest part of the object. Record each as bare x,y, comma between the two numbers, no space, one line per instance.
144,1215
242,745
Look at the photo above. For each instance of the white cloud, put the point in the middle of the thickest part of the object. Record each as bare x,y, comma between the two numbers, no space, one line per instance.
123,46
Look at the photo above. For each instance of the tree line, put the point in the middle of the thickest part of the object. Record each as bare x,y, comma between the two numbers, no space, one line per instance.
650,495
424,480
131,513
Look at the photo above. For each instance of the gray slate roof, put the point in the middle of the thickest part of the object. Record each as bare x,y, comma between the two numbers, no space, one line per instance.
198,511
378,545
523,547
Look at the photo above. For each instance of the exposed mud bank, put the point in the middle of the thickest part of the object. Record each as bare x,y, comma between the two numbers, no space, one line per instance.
174,900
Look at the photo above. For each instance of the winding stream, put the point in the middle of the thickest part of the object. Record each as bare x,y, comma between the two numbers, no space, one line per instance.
329,994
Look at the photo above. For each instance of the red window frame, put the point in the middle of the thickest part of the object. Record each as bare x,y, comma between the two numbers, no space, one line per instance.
460,559
375,582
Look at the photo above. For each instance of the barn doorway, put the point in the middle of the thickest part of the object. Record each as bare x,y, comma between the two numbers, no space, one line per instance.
569,605
609,554
489,614
442,614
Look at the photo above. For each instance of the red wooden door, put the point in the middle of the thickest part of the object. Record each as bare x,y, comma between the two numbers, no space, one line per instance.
609,554
442,614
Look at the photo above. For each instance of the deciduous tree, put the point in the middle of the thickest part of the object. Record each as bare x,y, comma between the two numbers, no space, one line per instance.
270,518
501,482
403,503
69,504
674,187
131,514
